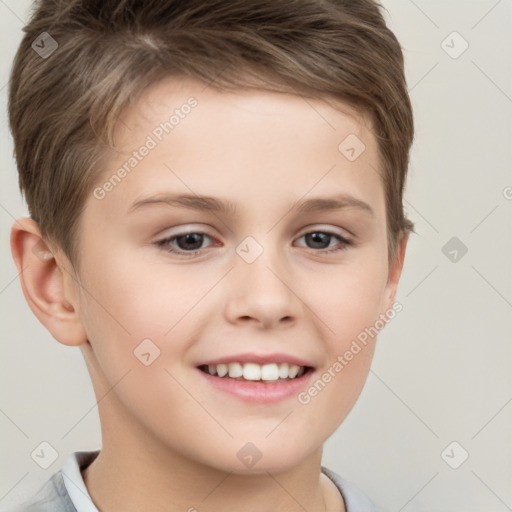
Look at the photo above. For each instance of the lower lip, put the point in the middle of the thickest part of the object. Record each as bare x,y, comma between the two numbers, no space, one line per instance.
257,391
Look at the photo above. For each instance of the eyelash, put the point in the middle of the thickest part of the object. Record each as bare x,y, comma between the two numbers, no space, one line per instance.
163,243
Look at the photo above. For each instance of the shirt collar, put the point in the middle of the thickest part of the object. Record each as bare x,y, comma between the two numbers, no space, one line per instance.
75,486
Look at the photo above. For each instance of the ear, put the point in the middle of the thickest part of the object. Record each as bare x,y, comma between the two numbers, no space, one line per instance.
49,287
395,272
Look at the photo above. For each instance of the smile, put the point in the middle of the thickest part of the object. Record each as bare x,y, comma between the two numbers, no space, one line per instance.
272,372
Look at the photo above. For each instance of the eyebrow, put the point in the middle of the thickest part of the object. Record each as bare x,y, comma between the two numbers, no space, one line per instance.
208,203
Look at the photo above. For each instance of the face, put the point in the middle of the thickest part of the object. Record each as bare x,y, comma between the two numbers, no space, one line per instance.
283,265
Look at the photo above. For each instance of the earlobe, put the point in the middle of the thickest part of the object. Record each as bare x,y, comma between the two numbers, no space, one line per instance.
42,282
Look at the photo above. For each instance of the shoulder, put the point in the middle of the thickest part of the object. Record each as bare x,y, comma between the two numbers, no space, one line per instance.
51,497
355,500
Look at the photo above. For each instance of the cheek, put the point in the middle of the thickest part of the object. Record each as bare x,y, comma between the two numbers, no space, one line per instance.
130,311
332,395
349,300
138,337
140,299
349,309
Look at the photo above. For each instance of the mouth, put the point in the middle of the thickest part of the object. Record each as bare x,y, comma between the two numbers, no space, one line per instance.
270,373
257,378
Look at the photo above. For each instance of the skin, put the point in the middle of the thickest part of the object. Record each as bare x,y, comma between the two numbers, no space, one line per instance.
170,440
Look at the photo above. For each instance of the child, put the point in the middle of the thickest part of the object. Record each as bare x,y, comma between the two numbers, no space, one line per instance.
277,134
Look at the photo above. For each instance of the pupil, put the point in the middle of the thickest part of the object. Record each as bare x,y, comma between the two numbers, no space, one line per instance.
190,238
318,238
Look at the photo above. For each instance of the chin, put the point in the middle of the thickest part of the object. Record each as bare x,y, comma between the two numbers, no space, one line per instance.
252,459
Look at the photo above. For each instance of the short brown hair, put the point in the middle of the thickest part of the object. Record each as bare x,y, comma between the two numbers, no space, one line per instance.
63,108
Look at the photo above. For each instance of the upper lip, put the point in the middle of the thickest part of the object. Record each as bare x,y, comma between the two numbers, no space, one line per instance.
258,359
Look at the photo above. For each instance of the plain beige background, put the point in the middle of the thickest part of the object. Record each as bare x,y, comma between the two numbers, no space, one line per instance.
440,384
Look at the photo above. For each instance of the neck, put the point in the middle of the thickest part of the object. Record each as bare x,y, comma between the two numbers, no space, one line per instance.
134,479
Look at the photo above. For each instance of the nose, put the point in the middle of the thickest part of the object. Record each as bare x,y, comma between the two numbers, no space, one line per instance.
261,293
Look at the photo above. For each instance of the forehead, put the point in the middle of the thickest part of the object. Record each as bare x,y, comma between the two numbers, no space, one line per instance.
166,96
257,142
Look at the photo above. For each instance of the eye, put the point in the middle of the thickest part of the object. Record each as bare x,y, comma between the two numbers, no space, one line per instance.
321,239
191,243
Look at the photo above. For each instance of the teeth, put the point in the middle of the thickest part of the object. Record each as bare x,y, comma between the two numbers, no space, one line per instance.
293,371
269,372
255,372
235,370
252,371
222,370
